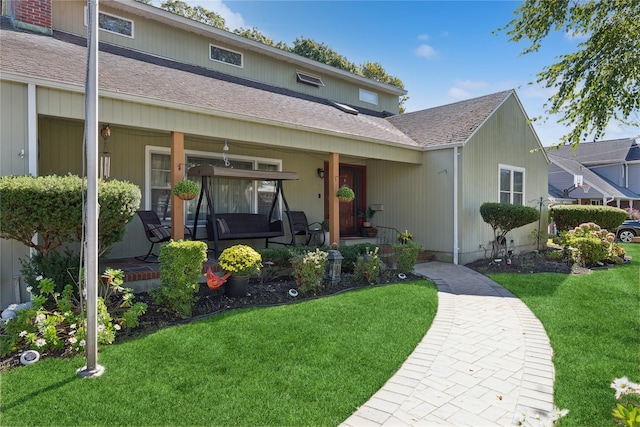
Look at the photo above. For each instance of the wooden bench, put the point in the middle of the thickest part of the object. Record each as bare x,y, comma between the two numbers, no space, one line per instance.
240,226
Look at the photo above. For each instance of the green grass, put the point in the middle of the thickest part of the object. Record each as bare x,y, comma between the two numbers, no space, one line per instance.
311,363
593,322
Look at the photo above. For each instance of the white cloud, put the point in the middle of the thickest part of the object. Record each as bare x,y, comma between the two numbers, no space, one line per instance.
471,85
426,51
458,94
423,37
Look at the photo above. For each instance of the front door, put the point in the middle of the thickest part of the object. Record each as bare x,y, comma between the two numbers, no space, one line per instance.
353,176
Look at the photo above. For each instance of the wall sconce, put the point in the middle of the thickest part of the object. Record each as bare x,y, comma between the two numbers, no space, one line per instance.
320,173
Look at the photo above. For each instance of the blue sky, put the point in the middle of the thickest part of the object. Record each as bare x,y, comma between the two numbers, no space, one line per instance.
443,51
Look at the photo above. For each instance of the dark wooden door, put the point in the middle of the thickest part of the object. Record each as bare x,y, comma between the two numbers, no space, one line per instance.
353,176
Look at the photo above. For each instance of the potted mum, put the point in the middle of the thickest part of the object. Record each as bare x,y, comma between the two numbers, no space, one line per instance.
186,190
345,194
241,261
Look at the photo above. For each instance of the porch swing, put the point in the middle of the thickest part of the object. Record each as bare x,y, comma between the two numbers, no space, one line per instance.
239,226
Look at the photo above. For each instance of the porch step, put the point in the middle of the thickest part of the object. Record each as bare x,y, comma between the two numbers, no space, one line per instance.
349,241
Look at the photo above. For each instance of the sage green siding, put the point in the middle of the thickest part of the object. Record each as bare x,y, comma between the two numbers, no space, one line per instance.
14,139
165,41
506,138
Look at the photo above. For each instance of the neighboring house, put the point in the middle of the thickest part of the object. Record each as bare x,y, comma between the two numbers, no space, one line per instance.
175,93
610,172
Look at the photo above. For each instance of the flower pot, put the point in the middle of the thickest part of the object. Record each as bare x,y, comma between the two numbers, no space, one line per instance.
187,196
345,199
236,286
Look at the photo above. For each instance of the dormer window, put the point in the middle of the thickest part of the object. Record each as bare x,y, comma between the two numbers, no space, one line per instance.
369,97
112,23
308,79
220,54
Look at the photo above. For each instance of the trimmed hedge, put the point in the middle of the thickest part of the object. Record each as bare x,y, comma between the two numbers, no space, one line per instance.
51,206
568,217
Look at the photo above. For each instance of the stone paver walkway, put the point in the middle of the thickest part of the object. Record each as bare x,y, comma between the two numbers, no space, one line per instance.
485,360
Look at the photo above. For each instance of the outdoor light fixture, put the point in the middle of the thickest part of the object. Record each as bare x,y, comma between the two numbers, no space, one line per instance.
105,156
320,173
333,267
224,153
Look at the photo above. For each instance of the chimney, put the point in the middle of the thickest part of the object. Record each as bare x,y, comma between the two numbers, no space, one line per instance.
31,15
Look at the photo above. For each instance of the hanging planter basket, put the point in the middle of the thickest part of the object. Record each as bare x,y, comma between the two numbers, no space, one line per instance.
186,190
345,194
187,196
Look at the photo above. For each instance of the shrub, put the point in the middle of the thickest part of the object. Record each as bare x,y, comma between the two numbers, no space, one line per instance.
567,217
588,244
180,269
61,268
350,255
504,217
405,256
51,206
308,269
55,321
367,267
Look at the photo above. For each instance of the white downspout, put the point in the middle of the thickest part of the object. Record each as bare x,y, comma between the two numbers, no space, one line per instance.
32,131
455,206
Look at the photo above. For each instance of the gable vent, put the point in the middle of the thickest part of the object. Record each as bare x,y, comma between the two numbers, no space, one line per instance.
345,108
308,79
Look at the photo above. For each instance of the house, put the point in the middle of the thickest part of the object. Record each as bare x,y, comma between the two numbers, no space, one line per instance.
610,173
177,93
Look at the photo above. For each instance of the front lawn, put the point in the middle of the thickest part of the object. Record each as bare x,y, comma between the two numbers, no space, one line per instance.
593,322
311,363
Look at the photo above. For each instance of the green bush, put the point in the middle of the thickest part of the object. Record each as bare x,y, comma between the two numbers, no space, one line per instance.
588,244
405,256
51,206
180,269
567,217
504,217
308,269
350,255
61,268
56,322
367,267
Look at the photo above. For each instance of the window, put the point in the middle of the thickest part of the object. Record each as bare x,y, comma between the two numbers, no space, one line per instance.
228,195
112,23
220,54
511,185
370,97
308,79
595,202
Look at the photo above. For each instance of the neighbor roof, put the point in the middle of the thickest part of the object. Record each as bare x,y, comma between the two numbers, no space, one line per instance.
597,153
449,124
599,183
123,72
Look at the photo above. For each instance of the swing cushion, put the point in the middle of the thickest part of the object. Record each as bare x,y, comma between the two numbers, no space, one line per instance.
232,226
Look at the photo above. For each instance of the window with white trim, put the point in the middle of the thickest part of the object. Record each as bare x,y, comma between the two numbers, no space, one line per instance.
228,195
367,96
511,182
220,54
112,23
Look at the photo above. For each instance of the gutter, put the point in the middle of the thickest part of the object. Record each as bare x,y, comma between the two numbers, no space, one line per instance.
455,206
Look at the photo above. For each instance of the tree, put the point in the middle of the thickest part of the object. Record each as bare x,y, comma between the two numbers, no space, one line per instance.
320,52
504,217
375,71
197,13
597,83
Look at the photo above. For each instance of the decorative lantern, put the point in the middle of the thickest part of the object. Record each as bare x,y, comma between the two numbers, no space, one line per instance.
333,267
105,156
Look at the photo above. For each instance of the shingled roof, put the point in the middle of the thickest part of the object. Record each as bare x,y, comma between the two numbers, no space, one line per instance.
121,72
602,152
449,124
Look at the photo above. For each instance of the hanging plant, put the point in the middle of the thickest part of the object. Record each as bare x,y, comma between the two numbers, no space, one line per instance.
186,190
345,194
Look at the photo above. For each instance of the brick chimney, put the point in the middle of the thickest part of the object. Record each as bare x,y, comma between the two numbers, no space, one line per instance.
31,15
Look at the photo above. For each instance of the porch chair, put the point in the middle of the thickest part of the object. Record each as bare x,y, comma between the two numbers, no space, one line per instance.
301,227
155,231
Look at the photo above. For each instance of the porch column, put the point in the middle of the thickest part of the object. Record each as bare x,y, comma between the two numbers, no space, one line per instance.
177,175
334,204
